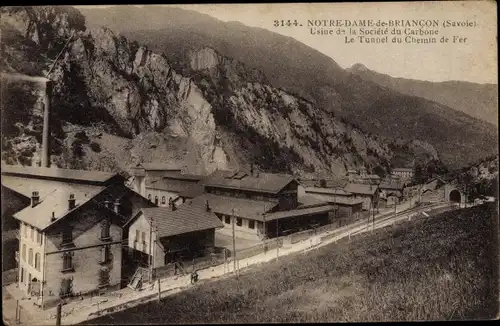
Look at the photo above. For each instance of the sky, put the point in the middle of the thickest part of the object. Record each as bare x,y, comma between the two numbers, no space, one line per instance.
474,61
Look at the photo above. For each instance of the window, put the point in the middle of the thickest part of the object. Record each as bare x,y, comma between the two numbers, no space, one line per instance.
143,239
149,197
227,219
104,276
239,221
137,234
105,229
105,254
67,261
23,252
22,275
163,200
37,261
66,287
156,200
38,237
67,236
251,224
30,257
32,233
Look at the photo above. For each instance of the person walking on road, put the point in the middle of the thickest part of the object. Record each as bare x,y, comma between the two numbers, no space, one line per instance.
194,277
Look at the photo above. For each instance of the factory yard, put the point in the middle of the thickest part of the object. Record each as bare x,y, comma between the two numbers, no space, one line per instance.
437,268
225,241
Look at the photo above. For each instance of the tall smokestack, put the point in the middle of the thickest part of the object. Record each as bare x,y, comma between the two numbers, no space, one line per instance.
46,125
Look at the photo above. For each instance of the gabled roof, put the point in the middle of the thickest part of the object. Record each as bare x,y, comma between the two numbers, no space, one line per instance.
358,188
437,178
55,201
328,191
169,184
264,182
192,216
178,175
332,183
299,212
243,207
56,174
348,201
391,185
371,176
157,167
309,201
193,191
402,170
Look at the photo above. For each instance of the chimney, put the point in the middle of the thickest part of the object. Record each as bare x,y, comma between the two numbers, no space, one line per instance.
35,198
46,125
71,201
117,206
53,218
207,206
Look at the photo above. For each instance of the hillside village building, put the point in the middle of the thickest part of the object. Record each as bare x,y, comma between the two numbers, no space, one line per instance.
71,233
346,206
403,173
362,176
161,183
368,193
391,192
261,205
163,235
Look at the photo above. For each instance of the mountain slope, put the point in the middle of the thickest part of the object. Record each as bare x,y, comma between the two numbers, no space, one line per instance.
477,100
116,102
305,72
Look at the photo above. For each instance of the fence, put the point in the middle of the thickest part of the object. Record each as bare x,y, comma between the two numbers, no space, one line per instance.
186,267
217,257
258,249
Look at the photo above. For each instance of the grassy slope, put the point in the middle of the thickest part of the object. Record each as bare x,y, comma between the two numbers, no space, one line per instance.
439,268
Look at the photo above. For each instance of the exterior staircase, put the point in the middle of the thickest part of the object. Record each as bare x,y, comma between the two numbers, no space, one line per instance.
140,277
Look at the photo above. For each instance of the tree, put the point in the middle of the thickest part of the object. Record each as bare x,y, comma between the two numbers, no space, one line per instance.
418,174
378,170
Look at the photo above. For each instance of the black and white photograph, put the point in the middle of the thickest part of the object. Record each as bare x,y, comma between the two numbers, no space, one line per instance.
249,163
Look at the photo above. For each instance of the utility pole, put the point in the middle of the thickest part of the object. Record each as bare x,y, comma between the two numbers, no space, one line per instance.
58,314
151,249
277,241
373,217
465,194
234,244
369,214
264,218
159,291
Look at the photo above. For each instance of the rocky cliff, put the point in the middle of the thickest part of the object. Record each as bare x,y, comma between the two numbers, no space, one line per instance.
116,102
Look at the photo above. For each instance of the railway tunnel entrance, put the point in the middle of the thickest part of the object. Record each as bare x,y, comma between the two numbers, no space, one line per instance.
455,196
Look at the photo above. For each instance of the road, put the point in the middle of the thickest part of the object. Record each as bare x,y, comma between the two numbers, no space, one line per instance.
80,311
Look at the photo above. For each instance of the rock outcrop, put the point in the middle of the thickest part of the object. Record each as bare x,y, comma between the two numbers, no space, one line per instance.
217,114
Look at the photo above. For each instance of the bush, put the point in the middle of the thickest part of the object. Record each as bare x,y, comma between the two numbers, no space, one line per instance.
95,147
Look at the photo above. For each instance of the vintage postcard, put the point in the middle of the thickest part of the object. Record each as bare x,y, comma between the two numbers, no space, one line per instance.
249,163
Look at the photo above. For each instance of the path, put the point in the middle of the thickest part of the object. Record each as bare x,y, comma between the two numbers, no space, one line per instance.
125,298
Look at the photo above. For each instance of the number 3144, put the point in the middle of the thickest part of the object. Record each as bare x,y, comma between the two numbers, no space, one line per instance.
281,23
